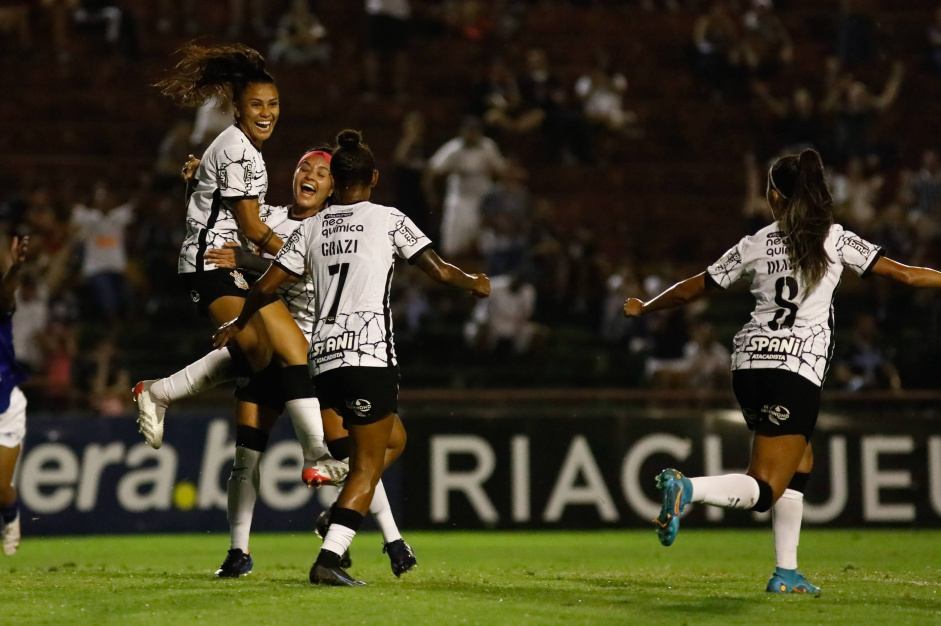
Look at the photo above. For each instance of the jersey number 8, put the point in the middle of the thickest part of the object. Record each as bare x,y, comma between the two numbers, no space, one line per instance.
785,316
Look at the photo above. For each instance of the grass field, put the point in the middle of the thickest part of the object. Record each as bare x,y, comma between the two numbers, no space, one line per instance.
707,577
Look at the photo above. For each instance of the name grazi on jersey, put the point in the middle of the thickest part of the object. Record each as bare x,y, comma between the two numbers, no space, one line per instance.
333,224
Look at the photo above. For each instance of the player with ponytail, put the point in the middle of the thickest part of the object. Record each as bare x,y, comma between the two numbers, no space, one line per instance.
781,356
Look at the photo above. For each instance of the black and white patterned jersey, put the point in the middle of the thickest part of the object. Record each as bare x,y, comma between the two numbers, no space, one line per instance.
297,293
790,328
231,169
349,252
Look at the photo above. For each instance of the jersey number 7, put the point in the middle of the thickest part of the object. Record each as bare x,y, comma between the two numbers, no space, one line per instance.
342,269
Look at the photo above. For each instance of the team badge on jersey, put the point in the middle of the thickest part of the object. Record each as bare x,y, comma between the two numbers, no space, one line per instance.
240,281
360,407
776,413
194,295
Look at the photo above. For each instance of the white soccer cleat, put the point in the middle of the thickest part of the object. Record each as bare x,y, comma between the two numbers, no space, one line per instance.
325,471
10,537
149,414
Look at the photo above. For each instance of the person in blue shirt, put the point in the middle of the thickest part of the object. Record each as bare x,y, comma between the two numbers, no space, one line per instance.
12,400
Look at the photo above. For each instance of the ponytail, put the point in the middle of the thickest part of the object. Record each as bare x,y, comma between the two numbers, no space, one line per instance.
353,163
214,71
808,214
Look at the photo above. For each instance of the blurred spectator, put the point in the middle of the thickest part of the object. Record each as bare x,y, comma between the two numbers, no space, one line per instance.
895,228
666,342
564,128
471,162
506,211
104,380
798,124
156,246
934,40
410,159
854,196
756,211
59,346
615,326
865,364
498,101
170,155
59,14
121,30
707,364
503,322
187,12
717,50
926,186
213,117
856,33
602,93
856,109
300,38
29,322
237,17
471,19
100,228
388,25
767,46
15,24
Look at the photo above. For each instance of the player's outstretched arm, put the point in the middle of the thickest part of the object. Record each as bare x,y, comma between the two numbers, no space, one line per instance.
910,275
261,294
443,272
679,294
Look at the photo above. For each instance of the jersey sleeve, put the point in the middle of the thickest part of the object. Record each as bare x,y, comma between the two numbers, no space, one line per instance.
236,172
293,254
408,241
729,268
856,253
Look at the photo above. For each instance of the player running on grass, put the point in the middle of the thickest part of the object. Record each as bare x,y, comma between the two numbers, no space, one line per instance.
348,250
782,354
261,401
12,400
223,208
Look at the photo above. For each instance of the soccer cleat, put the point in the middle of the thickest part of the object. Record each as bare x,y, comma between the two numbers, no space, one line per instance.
677,492
790,581
334,576
325,471
321,528
236,564
401,556
10,536
149,414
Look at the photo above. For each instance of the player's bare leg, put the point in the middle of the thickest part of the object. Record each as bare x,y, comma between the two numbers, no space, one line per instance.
9,503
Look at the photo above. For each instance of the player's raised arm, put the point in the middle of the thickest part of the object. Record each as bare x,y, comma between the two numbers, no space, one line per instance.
679,294
907,274
443,272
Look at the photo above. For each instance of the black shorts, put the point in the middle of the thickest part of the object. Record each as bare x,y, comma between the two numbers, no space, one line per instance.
263,388
360,395
207,287
777,402
385,33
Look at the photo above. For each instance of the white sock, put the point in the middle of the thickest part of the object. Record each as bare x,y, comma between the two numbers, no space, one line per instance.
209,371
382,513
338,539
242,489
305,415
786,515
732,491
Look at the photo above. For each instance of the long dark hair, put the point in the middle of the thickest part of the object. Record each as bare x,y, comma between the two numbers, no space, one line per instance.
807,215
352,164
207,71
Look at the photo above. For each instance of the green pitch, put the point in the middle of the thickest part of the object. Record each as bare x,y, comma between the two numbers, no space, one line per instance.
707,577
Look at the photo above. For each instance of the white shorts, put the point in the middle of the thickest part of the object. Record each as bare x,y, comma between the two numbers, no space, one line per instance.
13,421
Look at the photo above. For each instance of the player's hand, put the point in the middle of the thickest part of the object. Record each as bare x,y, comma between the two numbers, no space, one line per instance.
223,257
633,307
481,288
225,334
18,249
189,168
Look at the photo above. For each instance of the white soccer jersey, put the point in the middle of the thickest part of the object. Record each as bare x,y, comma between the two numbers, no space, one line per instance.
349,252
789,328
231,169
298,293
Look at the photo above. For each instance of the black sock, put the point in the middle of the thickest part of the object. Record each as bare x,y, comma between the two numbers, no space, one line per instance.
9,513
328,559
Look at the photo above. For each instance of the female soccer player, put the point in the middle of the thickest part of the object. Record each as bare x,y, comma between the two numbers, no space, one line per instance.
12,400
348,251
223,208
261,402
782,354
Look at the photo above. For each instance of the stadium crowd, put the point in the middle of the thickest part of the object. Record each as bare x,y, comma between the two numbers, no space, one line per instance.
496,180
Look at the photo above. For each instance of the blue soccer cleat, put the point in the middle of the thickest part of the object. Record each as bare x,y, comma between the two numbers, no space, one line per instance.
790,581
677,492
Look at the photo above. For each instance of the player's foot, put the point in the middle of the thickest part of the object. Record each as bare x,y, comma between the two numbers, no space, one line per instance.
325,471
236,564
401,556
335,576
790,581
10,536
150,414
677,492
321,528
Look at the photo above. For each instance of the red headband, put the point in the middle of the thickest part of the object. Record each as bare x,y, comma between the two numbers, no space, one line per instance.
321,153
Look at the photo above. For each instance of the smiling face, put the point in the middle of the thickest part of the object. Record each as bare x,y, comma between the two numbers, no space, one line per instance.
257,110
312,183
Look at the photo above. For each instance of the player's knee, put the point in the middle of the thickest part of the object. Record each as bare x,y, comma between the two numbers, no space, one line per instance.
7,495
766,496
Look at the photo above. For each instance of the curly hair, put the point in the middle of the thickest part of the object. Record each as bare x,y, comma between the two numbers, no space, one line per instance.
204,72
353,162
